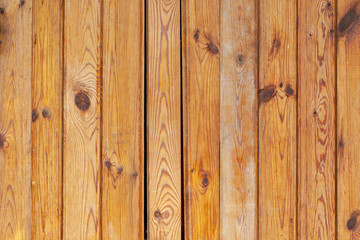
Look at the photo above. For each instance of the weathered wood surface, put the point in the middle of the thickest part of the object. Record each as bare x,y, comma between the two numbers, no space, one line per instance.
15,119
254,135
163,119
348,118
238,120
201,120
123,120
47,107
81,195
316,126
277,119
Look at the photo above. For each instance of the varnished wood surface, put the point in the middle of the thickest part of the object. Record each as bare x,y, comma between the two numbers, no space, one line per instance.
348,151
238,120
47,111
179,119
316,116
122,160
82,88
163,119
201,119
15,119
277,119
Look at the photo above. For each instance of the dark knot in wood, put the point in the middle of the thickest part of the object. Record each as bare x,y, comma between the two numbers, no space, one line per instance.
82,101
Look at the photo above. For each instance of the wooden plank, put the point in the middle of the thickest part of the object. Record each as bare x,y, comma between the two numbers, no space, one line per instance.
47,119
316,106
15,119
348,74
81,194
163,119
277,119
123,120
201,121
238,120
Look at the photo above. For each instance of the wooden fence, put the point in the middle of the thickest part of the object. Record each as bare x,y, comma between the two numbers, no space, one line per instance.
179,119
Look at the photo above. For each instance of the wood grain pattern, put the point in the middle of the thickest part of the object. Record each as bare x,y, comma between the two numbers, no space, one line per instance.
123,120
82,120
316,106
15,119
348,102
201,121
238,120
47,119
163,120
277,120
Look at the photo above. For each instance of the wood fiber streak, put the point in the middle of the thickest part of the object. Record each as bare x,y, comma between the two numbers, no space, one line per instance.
163,120
201,120
316,106
47,127
238,125
82,120
123,120
15,119
348,119
277,120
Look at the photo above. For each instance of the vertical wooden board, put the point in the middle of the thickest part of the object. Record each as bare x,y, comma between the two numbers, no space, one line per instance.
123,120
201,121
277,119
238,120
82,120
348,102
316,106
47,119
15,119
163,119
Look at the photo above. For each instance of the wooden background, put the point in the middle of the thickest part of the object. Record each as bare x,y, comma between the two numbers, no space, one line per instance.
180,119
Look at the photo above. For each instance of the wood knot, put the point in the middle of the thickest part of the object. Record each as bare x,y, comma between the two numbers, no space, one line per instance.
351,223
108,165
240,59
213,48
119,170
2,11
34,115
22,3
2,140
196,34
135,174
46,113
341,143
157,214
289,91
82,101
267,93
205,181
347,21
275,46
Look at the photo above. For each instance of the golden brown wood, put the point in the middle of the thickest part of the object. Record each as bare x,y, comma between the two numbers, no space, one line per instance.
316,107
82,120
201,92
163,119
238,120
277,120
47,119
123,120
348,138
15,119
